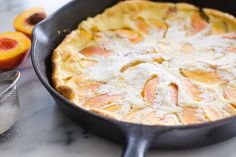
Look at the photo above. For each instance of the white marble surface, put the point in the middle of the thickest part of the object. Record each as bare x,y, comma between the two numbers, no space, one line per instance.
42,130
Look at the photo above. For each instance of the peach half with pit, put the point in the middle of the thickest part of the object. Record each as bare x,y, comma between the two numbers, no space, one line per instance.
26,20
14,47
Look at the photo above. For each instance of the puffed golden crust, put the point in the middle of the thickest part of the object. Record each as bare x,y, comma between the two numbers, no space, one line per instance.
67,62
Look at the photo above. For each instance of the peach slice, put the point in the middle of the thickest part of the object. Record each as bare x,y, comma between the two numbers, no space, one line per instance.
192,90
230,49
198,23
149,90
130,65
230,94
230,36
201,76
112,108
94,50
173,93
132,36
230,109
14,47
189,115
101,100
160,25
26,20
211,113
141,24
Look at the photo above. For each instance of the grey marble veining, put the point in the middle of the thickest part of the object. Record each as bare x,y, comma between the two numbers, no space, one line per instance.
42,130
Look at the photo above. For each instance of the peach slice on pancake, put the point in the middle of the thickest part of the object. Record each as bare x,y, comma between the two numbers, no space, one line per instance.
190,115
149,90
102,100
94,51
198,23
130,65
112,108
141,25
230,94
230,36
201,76
131,35
173,92
159,24
211,113
192,90
230,109
231,49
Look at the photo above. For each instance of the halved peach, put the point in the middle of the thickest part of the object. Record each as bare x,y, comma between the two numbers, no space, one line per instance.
192,90
26,20
173,92
95,50
198,23
201,76
14,47
101,100
149,90
132,36
189,115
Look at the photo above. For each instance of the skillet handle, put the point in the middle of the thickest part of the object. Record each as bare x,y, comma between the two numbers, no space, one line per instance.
139,138
136,147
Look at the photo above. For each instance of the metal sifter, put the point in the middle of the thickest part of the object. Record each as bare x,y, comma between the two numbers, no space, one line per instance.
9,100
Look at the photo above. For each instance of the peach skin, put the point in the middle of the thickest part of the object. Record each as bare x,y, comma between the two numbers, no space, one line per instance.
198,23
132,36
149,90
173,91
94,50
101,100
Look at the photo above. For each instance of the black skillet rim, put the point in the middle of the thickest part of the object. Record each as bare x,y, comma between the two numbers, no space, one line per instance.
55,93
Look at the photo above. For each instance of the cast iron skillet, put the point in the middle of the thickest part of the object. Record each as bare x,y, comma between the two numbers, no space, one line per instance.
136,137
